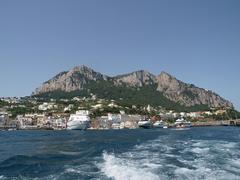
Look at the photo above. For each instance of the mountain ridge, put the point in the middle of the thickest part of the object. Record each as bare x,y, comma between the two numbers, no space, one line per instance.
78,78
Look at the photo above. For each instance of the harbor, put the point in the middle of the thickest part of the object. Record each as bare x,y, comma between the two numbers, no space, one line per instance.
81,121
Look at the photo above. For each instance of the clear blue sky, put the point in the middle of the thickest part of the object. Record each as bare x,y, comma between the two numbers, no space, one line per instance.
196,41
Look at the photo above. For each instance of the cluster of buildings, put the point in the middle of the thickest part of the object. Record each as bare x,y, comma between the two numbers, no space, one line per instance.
191,115
41,121
47,106
116,121
44,121
33,121
54,115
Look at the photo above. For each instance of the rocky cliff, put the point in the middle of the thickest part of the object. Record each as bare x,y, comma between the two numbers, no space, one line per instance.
135,79
172,88
188,94
72,80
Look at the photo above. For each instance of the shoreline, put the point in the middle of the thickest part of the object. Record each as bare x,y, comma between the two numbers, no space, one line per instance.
171,126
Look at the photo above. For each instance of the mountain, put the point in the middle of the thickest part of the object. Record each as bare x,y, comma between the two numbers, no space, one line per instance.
139,87
188,94
72,80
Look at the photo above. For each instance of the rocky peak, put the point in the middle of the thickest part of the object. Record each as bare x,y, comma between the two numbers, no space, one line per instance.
71,80
87,73
136,79
82,69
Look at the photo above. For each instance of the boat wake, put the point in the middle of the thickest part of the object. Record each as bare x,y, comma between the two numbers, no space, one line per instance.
161,159
178,155
180,129
123,169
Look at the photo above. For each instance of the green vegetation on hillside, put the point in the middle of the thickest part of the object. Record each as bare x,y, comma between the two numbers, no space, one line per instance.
230,114
19,111
137,96
3,103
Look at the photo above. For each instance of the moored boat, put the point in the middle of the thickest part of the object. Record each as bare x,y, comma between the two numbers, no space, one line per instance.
158,124
182,123
146,124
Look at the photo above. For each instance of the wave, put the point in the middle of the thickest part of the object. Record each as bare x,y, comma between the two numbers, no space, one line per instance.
123,169
181,160
2,177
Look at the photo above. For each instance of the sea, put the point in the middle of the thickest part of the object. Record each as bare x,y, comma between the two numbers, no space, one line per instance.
140,154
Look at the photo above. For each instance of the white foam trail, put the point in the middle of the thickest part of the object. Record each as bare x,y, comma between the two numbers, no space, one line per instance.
150,160
200,150
69,153
235,163
2,177
73,170
123,169
166,159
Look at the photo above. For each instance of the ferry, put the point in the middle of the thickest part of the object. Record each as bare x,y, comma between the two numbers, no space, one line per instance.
79,121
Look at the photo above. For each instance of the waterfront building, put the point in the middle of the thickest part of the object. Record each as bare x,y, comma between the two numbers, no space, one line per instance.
115,118
59,123
25,122
3,119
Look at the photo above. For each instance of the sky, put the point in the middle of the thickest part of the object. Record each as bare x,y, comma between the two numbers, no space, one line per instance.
196,41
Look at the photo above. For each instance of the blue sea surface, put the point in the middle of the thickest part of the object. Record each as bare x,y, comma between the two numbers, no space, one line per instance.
196,153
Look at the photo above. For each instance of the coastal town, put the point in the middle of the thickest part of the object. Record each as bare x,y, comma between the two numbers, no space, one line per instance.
31,113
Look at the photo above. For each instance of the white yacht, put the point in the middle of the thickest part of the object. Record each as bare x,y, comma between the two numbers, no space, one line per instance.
158,124
146,123
79,121
182,123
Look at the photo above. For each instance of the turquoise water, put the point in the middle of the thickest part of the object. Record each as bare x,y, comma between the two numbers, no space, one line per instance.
197,153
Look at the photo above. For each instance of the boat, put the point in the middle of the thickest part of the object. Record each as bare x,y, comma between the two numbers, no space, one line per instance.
158,124
225,123
237,124
146,124
182,123
115,126
79,121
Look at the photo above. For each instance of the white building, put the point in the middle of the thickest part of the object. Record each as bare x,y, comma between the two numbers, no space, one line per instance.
112,104
149,108
68,108
25,122
47,106
115,118
194,114
3,119
97,106
60,123
182,114
208,113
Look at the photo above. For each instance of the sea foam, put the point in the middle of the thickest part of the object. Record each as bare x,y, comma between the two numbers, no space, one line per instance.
122,169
